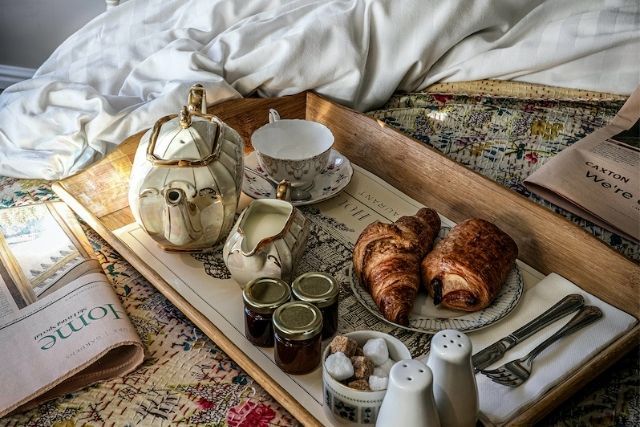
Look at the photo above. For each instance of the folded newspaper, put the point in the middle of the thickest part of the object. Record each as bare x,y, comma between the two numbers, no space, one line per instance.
62,326
598,177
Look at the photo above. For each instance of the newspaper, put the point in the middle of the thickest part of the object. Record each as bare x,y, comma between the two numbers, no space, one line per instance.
598,177
62,326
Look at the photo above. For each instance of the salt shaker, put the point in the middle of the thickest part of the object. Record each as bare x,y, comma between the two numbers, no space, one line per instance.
409,398
454,384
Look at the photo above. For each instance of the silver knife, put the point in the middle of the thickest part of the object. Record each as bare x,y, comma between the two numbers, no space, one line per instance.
495,351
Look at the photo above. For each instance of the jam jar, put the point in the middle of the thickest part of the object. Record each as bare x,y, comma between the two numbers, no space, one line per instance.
297,328
321,290
262,297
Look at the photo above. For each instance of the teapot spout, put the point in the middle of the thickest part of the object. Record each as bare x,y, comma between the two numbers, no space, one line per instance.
180,218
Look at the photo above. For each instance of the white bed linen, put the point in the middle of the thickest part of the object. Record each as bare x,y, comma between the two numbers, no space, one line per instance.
134,63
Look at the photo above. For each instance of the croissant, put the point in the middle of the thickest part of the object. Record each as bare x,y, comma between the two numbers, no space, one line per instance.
386,259
466,269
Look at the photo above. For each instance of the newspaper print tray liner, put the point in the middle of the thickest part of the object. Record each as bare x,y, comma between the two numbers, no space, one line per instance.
427,318
566,249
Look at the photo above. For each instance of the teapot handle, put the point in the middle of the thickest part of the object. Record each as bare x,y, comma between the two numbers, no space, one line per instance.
283,191
197,99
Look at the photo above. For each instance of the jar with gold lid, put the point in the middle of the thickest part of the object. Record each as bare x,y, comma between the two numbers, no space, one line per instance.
321,290
297,328
262,297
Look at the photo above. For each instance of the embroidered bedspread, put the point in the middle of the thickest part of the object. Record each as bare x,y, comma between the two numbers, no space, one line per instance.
187,379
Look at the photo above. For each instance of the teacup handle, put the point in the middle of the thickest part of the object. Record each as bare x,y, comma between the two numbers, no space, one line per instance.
274,116
283,191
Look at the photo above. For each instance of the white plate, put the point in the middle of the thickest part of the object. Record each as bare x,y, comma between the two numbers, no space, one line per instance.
326,185
427,317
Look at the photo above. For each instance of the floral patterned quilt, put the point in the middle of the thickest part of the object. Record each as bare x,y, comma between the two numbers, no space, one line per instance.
186,379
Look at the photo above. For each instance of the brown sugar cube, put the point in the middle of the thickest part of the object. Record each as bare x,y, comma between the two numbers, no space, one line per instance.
362,367
360,385
359,352
343,344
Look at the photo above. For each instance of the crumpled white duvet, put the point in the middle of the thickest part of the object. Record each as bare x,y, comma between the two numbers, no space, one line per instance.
135,63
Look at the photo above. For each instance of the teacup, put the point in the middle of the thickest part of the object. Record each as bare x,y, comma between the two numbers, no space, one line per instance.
348,406
292,149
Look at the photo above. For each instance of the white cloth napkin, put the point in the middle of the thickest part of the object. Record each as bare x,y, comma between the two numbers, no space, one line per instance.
499,403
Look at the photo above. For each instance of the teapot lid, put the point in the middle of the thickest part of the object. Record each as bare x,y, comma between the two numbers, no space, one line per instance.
189,139
190,144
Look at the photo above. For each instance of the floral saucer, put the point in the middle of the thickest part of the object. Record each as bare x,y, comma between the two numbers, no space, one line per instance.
259,185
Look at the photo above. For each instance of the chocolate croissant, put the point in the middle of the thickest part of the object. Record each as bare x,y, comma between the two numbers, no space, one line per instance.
386,259
467,268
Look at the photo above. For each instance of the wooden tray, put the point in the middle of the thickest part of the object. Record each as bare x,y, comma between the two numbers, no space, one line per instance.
547,241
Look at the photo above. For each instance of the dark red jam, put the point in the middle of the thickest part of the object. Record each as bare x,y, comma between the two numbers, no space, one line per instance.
297,328
258,328
321,290
297,357
261,299
329,320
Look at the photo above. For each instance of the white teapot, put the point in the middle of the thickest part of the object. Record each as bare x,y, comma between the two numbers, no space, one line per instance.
186,178
267,240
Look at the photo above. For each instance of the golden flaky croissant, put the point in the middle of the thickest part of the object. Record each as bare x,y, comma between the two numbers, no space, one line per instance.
386,259
467,268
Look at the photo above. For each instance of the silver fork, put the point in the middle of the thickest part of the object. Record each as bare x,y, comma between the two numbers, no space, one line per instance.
516,372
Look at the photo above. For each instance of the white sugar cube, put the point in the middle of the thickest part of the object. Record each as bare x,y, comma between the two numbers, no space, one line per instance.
339,366
386,367
379,372
376,350
377,383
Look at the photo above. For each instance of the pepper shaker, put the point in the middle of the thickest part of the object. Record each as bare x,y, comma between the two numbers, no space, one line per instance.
454,384
409,397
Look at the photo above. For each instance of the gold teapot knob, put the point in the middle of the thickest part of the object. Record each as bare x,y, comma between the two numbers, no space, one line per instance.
185,118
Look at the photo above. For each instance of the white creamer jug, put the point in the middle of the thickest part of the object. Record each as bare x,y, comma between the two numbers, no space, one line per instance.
267,240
